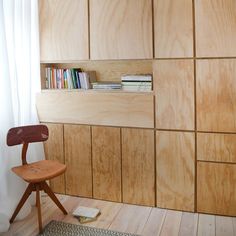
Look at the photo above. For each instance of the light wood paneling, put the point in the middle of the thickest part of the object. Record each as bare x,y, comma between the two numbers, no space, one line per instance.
63,30
138,166
173,27
121,29
174,90
175,170
97,108
216,147
54,150
108,70
216,188
77,139
216,95
215,28
207,225
106,163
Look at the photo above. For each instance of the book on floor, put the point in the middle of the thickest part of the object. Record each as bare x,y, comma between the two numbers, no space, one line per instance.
86,214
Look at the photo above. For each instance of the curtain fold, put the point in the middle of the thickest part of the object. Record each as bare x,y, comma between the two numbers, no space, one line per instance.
19,83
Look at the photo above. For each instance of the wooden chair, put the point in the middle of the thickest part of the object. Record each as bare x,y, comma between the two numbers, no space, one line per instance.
35,173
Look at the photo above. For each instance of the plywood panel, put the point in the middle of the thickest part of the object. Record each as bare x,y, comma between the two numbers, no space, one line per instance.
138,166
121,29
54,150
63,30
216,147
216,95
173,27
98,108
175,170
77,139
216,188
215,28
106,163
174,90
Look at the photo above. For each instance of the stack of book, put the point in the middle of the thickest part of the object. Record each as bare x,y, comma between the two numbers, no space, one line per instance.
136,82
86,214
106,85
68,78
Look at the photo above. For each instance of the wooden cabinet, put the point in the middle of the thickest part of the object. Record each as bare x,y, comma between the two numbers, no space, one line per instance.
77,139
175,170
216,147
121,29
173,28
216,188
106,152
63,30
215,28
138,166
54,150
216,95
102,108
174,90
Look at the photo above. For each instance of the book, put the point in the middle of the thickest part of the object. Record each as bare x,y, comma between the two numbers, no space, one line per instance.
137,78
86,214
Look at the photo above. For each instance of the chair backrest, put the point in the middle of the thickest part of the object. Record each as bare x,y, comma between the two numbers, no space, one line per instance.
25,135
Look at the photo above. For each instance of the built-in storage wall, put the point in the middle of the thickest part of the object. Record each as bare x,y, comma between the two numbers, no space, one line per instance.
189,46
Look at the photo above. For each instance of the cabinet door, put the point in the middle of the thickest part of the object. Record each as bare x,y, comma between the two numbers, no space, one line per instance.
216,188
54,150
216,95
121,29
216,147
77,139
63,30
173,27
174,90
106,155
138,166
175,165
215,28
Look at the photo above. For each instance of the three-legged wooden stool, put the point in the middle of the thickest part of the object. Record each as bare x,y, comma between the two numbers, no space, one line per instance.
35,173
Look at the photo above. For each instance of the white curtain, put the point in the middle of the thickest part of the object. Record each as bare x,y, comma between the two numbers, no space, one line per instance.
19,82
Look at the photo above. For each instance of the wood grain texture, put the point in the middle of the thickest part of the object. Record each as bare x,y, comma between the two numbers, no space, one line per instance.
216,147
54,150
189,224
216,188
175,167
106,153
207,225
215,28
63,30
110,70
131,219
224,226
121,29
138,166
173,28
155,222
174,90
172,223
97,108
216,95
78,159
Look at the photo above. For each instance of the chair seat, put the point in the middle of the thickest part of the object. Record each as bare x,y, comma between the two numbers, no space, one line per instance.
39,171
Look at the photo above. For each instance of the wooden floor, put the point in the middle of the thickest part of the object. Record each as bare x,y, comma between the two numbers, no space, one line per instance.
141,220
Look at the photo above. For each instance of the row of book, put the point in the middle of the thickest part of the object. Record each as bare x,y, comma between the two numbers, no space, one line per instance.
136,82
68,78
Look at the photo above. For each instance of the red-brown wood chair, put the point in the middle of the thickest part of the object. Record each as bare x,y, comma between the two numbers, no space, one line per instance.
35,173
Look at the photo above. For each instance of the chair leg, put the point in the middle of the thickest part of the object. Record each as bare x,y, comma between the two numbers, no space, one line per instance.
39,207
51,194
25,196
